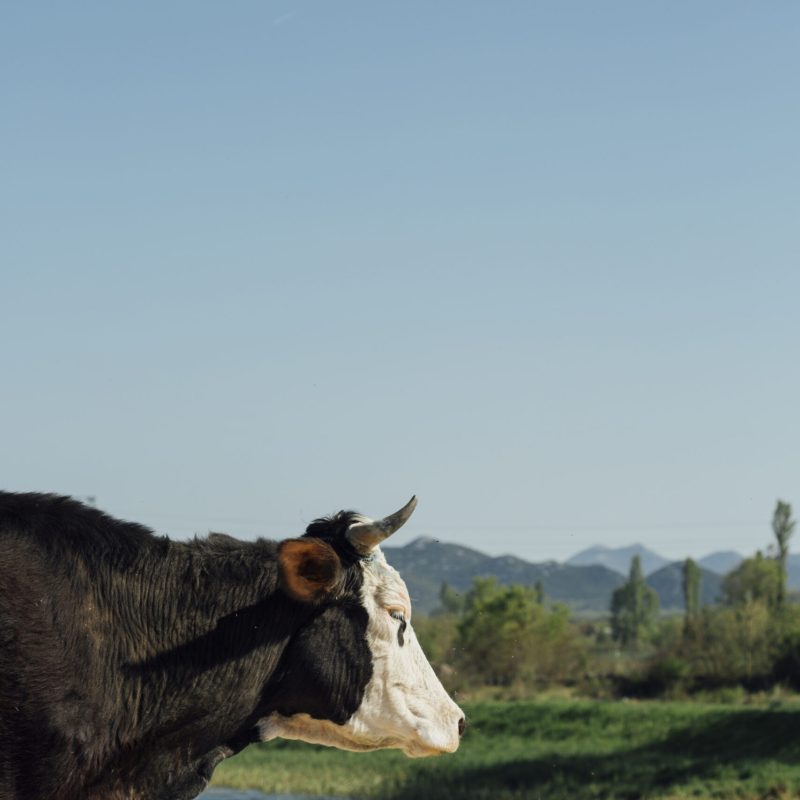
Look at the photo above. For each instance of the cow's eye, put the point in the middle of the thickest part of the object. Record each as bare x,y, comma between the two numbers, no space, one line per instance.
401,618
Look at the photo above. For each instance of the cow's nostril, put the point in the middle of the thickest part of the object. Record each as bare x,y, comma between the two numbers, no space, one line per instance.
462,723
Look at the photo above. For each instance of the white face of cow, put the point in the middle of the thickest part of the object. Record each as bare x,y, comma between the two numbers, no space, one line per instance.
404,705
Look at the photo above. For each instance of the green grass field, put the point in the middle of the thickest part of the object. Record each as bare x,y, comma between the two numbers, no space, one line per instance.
558,749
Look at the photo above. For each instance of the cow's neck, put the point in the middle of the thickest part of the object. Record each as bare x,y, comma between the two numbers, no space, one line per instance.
208,621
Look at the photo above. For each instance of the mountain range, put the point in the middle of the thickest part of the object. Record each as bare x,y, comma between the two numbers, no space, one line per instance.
426,563
584,582
619,559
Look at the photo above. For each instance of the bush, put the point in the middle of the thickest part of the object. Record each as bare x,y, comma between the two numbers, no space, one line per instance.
506,636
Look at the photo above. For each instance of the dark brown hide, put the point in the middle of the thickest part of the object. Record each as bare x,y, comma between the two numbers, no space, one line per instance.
130,665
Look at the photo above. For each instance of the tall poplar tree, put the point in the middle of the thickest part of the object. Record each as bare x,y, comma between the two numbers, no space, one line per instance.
782,527
634,607
690,583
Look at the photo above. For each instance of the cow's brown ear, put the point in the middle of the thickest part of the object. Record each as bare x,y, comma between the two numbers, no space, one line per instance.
309,569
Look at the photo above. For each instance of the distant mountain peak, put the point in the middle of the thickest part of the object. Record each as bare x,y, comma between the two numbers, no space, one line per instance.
421,542
619,558
721,561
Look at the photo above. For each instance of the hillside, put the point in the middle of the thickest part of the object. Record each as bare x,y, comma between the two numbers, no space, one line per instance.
581,583
721,562
426,563
667,581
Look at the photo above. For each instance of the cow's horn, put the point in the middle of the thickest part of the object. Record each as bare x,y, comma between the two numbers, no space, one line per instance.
368,534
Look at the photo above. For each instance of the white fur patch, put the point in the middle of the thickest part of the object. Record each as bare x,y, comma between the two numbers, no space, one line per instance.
404,705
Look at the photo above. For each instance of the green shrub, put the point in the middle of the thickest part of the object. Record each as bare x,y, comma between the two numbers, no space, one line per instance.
505,636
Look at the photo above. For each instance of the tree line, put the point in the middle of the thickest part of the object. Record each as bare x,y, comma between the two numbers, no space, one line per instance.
513,637
635,606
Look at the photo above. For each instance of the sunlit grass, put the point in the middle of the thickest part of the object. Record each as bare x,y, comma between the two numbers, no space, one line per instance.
558,749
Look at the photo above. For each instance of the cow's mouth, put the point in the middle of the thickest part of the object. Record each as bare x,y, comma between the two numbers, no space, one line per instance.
417,750
428,741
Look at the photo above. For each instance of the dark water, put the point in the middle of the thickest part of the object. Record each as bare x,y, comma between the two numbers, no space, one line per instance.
239,794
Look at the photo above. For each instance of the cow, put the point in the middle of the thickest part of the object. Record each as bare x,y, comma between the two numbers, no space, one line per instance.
131,665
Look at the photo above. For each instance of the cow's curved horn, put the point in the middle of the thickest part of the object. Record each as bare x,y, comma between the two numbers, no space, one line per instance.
367,534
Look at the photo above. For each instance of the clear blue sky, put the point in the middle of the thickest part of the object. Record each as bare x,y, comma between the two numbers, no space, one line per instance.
536,262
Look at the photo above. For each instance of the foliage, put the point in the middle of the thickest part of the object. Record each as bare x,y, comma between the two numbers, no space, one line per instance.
782,527
786,647
746,646
510,640
690,584
756,579
437,637
450,599
634,607
505,636
731,645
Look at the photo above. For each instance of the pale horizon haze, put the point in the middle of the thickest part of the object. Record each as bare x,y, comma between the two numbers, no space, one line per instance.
535,262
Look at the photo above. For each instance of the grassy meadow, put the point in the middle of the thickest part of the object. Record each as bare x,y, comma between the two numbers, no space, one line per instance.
558,750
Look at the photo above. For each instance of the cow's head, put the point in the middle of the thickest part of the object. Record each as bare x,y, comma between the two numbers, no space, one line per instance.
355,676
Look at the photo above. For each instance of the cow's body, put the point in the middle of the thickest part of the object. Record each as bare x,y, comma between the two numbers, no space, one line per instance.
130,665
